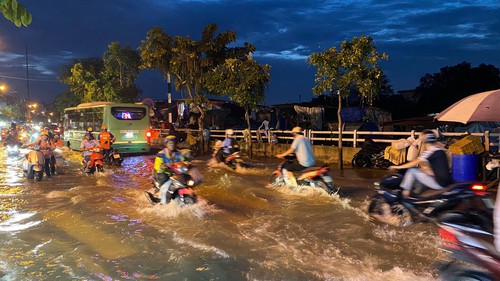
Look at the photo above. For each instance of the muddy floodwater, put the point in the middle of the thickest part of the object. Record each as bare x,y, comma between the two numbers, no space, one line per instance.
77,227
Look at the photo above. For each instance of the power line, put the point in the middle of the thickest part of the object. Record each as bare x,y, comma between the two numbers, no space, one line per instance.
31,79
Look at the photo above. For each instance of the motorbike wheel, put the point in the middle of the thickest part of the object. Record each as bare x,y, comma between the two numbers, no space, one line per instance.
189,200
100,169
376,206
38,176
30,175
276,180
361,161
322,185
403,214
456,273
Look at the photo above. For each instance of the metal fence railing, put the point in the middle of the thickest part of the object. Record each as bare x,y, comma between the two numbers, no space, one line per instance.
351,138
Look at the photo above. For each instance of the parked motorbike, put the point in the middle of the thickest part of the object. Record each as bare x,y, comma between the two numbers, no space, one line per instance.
185,177
113,157
315,176
370,155
424,203
13,149
33,164
471,246
95,162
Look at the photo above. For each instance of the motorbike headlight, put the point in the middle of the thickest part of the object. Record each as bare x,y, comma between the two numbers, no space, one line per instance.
190,183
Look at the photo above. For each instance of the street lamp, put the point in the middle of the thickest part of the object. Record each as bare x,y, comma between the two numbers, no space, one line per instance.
3,88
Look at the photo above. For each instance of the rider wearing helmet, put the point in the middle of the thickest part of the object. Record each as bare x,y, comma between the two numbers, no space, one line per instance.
89,130
228,146
304,155
162,173
12,138
86,146
47,147
106,139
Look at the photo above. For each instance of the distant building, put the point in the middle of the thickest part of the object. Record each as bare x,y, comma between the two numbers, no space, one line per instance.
410,95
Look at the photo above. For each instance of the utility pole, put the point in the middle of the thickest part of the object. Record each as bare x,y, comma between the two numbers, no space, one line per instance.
27,75
169,99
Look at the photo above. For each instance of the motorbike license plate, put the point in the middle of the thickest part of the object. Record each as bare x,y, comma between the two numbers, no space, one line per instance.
116,156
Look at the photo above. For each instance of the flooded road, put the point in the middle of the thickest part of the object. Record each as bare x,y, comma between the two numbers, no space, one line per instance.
77,227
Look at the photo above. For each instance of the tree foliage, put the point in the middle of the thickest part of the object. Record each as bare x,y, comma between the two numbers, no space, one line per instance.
111,78
156,51
189,60
15,12
243,81
353,67
452,83
15,109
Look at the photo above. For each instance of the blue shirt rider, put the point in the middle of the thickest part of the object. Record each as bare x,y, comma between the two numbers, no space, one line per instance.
168,155
228,146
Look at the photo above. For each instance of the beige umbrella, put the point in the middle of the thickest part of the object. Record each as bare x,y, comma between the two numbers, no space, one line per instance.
480,107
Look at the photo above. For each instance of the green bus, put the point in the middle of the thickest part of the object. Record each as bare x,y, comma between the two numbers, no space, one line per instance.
128,122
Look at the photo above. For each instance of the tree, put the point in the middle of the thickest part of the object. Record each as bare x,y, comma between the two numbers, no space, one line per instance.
15,12
121,68
15,109
243,81
109,79
353,67
191,60
156,53
452,83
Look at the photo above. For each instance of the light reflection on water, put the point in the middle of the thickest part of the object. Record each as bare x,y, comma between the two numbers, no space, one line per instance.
73,226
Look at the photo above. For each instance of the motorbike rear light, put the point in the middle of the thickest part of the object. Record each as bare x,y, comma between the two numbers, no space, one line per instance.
449,239
479,189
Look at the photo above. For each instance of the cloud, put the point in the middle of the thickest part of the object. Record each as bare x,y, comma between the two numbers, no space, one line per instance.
419,36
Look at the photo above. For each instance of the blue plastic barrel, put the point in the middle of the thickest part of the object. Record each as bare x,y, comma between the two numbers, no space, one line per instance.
464,167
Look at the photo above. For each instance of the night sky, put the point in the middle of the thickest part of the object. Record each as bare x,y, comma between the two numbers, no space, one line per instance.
419,36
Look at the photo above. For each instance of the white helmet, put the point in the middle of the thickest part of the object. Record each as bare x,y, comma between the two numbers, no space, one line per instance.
229,132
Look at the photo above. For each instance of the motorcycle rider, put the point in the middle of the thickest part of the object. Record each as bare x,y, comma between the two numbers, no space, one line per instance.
106,139
12,138
87,144
47,147
228,147
430,168
168,155
57,140
304,155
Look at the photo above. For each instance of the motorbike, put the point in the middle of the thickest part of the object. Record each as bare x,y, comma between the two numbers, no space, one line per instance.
426,204
315,176
95,162
12,149
232,160
471,246
113,157
33,164
370,155
184,178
